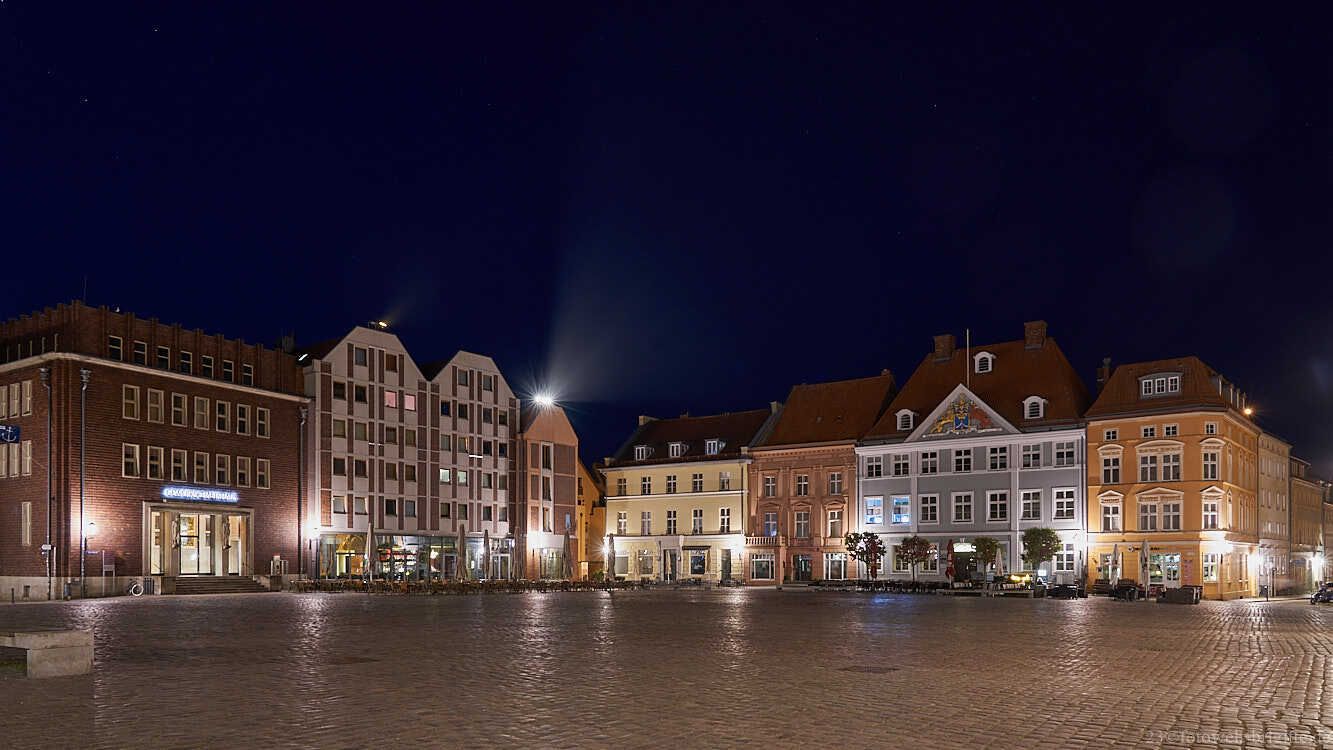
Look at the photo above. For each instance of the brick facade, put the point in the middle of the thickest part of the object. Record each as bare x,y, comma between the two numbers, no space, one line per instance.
150,409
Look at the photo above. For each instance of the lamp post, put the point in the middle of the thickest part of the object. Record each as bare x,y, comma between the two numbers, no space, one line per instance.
89,531
84,376
48,549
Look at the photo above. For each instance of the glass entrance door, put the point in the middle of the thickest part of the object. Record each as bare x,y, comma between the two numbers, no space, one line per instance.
196,543
1164,569
802,568
236,557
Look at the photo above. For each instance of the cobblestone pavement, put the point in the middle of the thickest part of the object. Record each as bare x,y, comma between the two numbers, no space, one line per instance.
684,669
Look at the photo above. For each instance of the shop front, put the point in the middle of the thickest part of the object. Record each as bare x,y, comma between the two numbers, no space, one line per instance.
412,557
198,532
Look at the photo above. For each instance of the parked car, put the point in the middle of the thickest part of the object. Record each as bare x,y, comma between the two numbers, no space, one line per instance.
1322,594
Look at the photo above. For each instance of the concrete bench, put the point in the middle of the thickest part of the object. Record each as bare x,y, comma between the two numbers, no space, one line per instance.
47,653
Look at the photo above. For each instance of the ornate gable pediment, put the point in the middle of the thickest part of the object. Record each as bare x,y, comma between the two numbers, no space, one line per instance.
962,414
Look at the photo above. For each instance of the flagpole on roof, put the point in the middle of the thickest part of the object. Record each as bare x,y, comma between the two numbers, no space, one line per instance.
967,355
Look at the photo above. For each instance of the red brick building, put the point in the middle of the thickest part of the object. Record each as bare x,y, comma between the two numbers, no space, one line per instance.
170,452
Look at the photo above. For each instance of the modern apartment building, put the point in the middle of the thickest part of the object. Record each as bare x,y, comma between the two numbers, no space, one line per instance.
803,481
546,517
169,453
676,496
981,443
1173,458
409,466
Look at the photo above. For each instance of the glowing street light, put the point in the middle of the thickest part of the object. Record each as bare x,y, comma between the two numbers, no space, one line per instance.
544,399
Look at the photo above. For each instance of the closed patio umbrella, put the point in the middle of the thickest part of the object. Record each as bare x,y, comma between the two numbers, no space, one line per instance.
1145,562
1114,573
462,566
948,570
486,554
567,567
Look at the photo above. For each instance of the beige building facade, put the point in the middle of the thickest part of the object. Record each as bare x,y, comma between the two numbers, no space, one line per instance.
676,498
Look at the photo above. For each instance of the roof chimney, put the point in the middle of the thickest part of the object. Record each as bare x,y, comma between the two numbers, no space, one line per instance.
773,406
944,346
1103,373
1034,334
645,419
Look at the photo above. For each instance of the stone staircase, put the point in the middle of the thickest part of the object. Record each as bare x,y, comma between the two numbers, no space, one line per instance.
186,585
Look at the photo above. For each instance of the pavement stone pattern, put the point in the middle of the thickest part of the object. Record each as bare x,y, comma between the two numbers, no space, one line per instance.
712,668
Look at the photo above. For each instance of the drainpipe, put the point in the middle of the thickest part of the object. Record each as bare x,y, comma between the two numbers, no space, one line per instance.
84,375
45,374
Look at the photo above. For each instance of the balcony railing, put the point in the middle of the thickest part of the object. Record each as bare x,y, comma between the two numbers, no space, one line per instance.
765,541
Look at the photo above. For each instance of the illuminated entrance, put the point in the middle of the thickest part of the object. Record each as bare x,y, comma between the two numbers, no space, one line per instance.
198,540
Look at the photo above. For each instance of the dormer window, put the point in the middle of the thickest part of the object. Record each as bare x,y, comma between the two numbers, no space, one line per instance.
1034,407
713,446
1159,384
677,450
641,452
983,362
906,419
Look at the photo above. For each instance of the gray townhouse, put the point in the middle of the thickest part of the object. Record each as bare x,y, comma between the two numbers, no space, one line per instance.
983,442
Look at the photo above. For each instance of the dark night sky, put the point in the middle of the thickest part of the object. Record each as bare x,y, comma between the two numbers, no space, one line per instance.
686,208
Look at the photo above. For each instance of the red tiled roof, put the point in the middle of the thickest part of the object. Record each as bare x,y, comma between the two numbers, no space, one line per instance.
1018,372
830,412
1198,389
734,429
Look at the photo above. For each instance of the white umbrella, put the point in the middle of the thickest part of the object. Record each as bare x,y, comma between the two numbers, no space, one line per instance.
1145,562
461,566
1114,573
486,554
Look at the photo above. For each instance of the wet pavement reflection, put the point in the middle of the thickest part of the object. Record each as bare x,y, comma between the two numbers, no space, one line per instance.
650,669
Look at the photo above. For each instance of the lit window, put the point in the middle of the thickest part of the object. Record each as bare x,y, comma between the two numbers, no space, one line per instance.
410,401
875,509
1211,562
902,509
712,446
640,452
391,399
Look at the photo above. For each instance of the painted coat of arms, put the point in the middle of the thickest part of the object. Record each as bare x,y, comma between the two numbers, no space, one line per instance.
962,417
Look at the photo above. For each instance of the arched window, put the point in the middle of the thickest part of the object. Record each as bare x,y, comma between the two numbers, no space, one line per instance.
983,362
906,419
1034,407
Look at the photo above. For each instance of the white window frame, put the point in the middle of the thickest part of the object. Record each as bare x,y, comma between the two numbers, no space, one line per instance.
713,446
983,357
959,505
1031,456
874,510
676,450
928,502
1060,495
962,460
905,419
1030,499
992,504
902,464
903,518
874,467
1034,407
641,452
